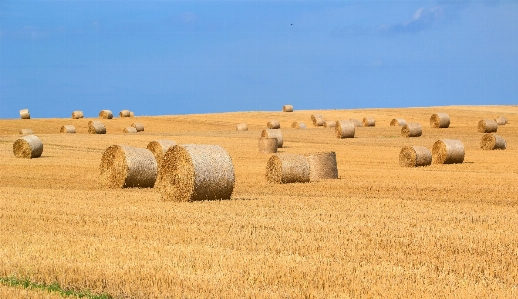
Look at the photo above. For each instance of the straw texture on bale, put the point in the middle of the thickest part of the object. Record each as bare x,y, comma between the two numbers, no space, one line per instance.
267,145
106,114
138,126
77,114
329,124
287,168
67,129
369,122
196,172
344,129
492,142
322,166
414,156
411,130
242,127
96,127
124,113
397,122
287,108
317,120
129,130
440,120
28,147
276,133
448,151
501,120
487,126
125,166
132,114
356,122
273,124
298,125
25,132
24,114
159,148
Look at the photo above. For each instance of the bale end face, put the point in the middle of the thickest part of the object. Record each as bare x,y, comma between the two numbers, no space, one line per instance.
28,147
448,151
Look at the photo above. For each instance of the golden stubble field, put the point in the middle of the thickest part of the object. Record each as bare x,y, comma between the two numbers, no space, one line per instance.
380,230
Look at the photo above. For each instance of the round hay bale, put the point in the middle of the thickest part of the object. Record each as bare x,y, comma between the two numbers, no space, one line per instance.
448,151
273,124
369,122
414,156
322,166
411,130
356,122
129,130
196,172
96,127
242,127
328,124
159,148
287,168
124,113
487,126
138,126
67,129
132,114
492,142
440,120
397,122
125,166
344,129
105,114
24,114
267,145
317,120
298,125
25,132
287,108
276,133
501,120
77,114
28,147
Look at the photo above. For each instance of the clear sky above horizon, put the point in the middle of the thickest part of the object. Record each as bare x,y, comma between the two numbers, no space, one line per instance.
182,57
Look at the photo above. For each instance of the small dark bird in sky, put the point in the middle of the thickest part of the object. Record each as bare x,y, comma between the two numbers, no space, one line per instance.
291,24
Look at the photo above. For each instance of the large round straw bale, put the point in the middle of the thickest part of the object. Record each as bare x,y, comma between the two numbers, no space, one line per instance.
448,151
276,133
397,122
344,129
132,114
267,145
329,124
356,122
125,166
124,113
106,114
440,120
322,166
129,130
25,132
317,120
287,168
67,129
414,156
241,127
77,114
287,108
501,120
138,126
411,130
28,147
369,122
298,125
492,142
159,148
96,127
24,114
273,124
196,172
487,126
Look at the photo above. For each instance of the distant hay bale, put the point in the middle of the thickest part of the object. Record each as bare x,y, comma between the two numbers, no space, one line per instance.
501,120
411,130
24,114
397,122
298,125
267,145
287,108
159,148
273,124
196,172
276,133
77,114
415,156
67,129
492,142
25,132
131,114
96,127
356,122
369,122
317,120
138,126
287,168
448,151
440,120
344,129
106,114
242,127
130,130
487,126
28,147
125,166
124,113
322,166
328,124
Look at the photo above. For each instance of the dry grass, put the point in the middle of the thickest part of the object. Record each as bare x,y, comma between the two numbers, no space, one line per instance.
25,132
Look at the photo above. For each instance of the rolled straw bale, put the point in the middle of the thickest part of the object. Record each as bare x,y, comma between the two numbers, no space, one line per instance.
411,130
397,122
24,114
322,166
138,126
77,114
125,166
28,147
344,129
67,129
287,168
267,145
287,108
241,127
487,126
96,127
414,156
329,124
159,148
298,125
492,142
273,124
276,133
132,114
124,113
106,114
130,130
440,120
25,132
317,120
501,120
369,122
356,122
196,172
448,151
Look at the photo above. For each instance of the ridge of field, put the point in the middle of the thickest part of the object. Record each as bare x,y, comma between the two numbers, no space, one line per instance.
380,230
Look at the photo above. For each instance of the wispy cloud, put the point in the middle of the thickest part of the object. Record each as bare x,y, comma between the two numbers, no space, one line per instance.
422,19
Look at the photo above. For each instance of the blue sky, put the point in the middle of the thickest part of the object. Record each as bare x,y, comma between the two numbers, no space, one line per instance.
179,57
